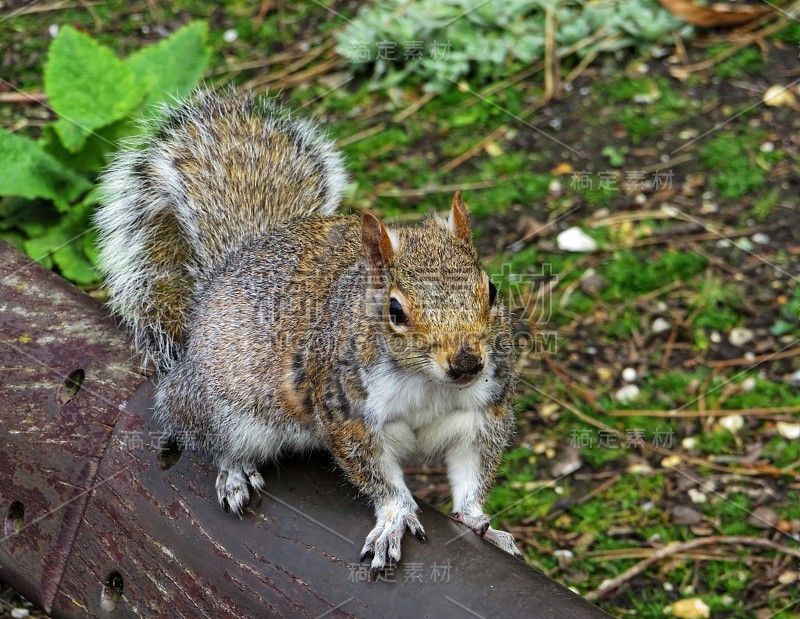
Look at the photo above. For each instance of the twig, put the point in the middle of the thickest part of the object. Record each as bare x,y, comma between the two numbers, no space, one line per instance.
587,497
351,139
551,65
684,71
23,97
670,345
748,412
424,191
725,363
411,109
608,586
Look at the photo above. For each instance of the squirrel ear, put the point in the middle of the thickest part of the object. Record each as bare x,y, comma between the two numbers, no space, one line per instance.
459,219
377,242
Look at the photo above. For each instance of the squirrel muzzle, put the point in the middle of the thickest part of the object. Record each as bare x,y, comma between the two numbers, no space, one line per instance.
465,366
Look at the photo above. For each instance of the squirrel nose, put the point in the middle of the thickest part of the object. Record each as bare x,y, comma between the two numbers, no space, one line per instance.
466,364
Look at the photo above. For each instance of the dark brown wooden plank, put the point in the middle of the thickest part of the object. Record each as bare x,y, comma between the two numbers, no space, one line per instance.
152,528
51,443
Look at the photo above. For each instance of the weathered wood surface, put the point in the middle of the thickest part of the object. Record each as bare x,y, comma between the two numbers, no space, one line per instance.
114,527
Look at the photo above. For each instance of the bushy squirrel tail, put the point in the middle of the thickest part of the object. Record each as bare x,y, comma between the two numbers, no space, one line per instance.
219,171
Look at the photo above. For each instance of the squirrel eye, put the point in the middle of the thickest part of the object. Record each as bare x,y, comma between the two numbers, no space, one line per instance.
396,313
492,294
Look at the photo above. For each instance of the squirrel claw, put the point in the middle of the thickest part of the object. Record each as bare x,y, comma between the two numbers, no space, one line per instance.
504,541
366,553
480,525
383,542
233,483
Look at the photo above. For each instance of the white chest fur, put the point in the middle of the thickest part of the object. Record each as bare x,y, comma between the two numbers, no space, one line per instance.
420,413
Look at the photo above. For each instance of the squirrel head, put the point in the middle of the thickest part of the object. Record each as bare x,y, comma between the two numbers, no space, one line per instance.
437,308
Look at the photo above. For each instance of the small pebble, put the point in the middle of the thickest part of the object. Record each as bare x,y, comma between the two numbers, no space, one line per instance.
688,134
788,430
591,283
779,95
53,30
230,35
626,394
767,147
670,462
554,187
696,496
629,375
640,198
740,336
748,384
660,325
576,240
732,423
709,207
787,578
690,442
20,613
682,514
763,518
760,238
715,337
694,608
795,378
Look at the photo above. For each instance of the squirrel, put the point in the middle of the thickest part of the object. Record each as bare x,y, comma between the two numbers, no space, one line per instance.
277,325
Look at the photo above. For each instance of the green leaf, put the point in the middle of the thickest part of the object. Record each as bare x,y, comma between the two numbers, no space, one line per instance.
173,66
63,244
88,86
29,172
97,150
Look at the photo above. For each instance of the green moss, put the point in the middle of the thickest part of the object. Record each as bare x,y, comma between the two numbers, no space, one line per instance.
733,160
764,205
790,33
746,62
653,105
629,274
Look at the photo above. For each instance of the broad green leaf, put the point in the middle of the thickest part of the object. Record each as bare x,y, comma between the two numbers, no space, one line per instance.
173,66
97,150
88,86
29,172
63,244
32,217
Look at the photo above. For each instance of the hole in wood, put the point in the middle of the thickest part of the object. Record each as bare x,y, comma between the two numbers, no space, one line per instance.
15,519
169,455
71,386
112,591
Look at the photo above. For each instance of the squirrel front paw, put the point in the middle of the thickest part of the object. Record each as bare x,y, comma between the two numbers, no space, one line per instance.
232,486
383,542
479,523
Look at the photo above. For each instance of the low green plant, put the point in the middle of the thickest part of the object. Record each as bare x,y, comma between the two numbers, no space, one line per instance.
746,62
733,158
442,42
47,185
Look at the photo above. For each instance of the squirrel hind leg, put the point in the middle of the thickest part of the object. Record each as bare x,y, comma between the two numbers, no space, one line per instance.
233,485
